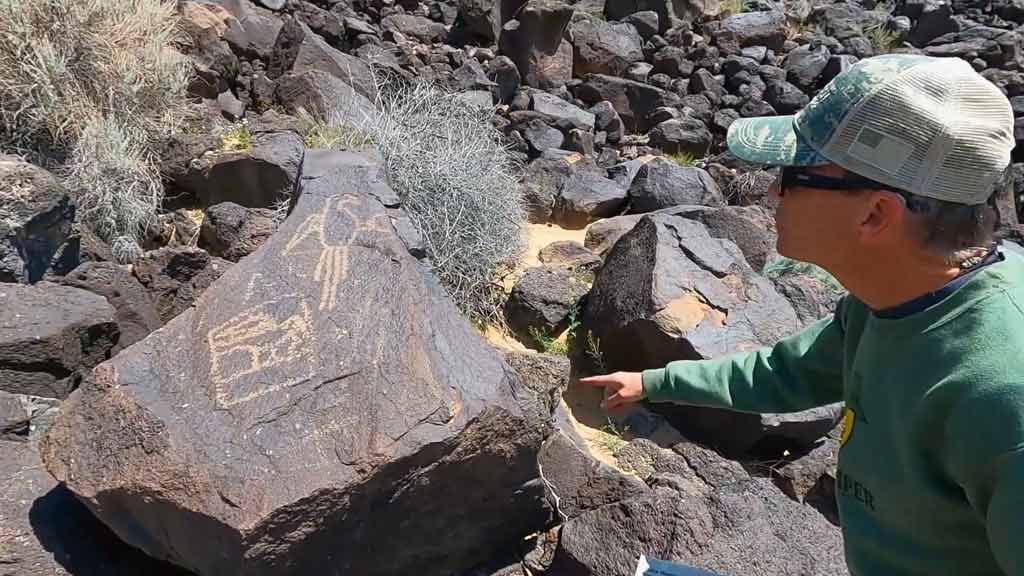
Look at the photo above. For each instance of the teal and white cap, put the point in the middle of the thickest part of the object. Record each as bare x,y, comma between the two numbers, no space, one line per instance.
930,126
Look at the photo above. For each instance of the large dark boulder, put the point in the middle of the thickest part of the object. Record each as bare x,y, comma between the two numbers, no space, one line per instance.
49,335
683,135
667,10
543,180
45,530
633,101
805,65
481,20
604,48
541,301
705,512
607,120
662,183
134,312
670,291
314,412
232,232
174,278
258,177
533,40
562,112
752,29
253,32
419,27
577,482
324,96
587,196
784,97
751,228
706,302
36,221
298,49
329,24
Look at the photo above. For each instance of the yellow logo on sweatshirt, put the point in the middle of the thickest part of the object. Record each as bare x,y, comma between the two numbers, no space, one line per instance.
848,419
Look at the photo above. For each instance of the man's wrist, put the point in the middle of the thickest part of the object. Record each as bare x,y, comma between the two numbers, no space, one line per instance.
652,381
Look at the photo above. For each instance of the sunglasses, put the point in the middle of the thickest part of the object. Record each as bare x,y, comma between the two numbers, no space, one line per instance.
795,176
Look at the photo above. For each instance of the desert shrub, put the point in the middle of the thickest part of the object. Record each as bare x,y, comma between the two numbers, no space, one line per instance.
682,158
457,181
118,185
74,73
748,187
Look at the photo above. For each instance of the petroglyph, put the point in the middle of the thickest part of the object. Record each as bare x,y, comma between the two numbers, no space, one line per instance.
254,347
332,266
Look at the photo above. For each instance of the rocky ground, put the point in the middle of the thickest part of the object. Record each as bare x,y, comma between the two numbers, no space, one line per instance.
279,386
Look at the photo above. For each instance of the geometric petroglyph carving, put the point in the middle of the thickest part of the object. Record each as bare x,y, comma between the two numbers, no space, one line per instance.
254,354
332,266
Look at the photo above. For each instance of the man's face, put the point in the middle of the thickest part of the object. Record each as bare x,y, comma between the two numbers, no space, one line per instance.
816,225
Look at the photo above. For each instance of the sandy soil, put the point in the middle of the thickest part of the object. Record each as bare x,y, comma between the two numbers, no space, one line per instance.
604,433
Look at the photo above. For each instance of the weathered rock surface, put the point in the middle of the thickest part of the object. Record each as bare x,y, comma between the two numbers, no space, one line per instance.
661,183
25,417
541,300
174,278
604,48
633,100
812,296
45,530
753,29
232,232
533,40
324,96
483,19
706,300
564,113
578,483
569,253
749,227
544,178
49,334
279,428
134,312
807,478
587,196
419,27
683,135
36,219
259,177
670,291
708,513
298,49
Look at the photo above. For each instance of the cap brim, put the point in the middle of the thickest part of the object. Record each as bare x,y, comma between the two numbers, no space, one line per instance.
771,140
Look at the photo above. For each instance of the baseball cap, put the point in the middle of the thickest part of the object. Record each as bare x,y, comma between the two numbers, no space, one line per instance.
928,125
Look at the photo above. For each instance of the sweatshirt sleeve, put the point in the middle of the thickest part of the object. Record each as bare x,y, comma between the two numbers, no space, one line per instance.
985,454
798,373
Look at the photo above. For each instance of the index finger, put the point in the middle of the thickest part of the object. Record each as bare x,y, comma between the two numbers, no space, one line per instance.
599,380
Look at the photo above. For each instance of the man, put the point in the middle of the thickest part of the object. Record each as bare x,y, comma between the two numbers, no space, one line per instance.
884,183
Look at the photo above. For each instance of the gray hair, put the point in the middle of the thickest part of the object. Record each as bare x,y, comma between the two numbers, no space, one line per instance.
955,231
952,230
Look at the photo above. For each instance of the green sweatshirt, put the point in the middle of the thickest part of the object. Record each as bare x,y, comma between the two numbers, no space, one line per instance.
931,470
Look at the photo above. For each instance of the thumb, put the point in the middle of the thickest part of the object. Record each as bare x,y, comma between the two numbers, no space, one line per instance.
613,402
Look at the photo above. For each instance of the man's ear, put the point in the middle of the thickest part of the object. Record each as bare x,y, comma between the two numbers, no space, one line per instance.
882,214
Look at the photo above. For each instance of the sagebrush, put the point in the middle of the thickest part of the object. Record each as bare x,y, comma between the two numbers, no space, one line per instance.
457,181
76,72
